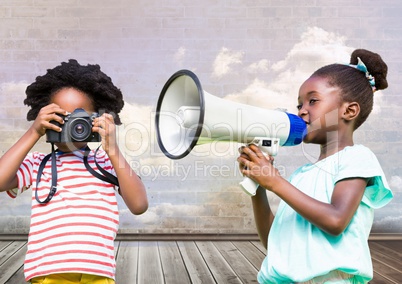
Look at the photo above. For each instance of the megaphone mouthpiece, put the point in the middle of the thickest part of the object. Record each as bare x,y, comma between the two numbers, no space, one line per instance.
297,130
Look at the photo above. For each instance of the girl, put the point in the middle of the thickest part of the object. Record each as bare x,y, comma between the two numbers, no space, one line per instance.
72,231
320,231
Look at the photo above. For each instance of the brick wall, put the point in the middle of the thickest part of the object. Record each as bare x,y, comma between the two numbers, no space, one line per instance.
254,52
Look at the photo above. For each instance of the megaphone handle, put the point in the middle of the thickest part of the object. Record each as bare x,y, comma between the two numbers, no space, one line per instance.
249,186
268,146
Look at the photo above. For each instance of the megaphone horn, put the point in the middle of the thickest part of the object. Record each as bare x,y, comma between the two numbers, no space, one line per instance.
187,116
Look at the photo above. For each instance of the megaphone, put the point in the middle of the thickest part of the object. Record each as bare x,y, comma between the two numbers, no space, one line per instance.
187,116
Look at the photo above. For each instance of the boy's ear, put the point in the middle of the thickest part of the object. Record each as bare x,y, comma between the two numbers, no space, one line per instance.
351,111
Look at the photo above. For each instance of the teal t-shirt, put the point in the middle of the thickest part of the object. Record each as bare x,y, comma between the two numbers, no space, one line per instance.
299,251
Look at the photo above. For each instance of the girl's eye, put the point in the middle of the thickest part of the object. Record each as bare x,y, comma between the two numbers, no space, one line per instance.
312,101
299,107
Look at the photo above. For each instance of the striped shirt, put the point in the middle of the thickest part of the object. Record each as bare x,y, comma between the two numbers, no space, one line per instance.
75,231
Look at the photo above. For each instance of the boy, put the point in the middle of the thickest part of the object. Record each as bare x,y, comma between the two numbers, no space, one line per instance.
72,228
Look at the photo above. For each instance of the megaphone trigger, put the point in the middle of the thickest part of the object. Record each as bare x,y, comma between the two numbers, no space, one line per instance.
269,147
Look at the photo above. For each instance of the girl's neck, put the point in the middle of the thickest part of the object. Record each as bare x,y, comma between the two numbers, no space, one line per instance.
334,146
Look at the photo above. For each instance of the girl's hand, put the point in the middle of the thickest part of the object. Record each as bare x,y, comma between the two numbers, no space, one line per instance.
47,114
255,165
106,128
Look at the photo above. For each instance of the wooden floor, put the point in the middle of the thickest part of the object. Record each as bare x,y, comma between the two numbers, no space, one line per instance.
200,261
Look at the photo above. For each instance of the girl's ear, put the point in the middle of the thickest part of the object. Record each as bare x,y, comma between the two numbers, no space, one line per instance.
351,111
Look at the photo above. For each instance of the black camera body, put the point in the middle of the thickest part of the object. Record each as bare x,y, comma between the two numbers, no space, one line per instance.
77,127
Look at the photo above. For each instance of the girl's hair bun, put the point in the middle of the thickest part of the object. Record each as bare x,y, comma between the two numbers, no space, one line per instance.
375,66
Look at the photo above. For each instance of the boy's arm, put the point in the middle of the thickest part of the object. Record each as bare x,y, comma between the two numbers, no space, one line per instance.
12,159
131,187
132,190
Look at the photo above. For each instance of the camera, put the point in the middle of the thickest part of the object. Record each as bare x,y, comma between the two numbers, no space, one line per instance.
77,127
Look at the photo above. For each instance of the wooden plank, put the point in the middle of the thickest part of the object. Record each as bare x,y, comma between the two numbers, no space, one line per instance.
149,264
242,267
18,277
393,244
379,279
4,244
197,269
259,245
387,272
393,264
200,261
174,270
387,249
221,270
11,259
387,257
127,262
381,270
251,252
9,250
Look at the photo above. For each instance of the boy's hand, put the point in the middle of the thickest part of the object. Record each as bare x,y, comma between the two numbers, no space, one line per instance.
46,114
106,128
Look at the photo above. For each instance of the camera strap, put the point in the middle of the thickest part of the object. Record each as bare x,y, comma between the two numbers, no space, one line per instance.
53,187
105,175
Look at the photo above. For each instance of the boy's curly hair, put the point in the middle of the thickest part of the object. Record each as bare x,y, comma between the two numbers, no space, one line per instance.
105,96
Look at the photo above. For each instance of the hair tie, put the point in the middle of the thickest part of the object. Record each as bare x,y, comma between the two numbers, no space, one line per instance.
362,67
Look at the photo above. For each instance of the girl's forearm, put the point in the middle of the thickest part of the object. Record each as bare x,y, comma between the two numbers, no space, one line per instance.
330,217
263,215
311,209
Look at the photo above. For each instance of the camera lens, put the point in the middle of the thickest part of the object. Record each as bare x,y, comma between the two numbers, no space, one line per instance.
80,129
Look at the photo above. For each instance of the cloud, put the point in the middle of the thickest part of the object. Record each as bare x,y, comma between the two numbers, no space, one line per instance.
277,85
263,95
11,89
396,183
315,49
388,224
224,61
135,134
261,66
